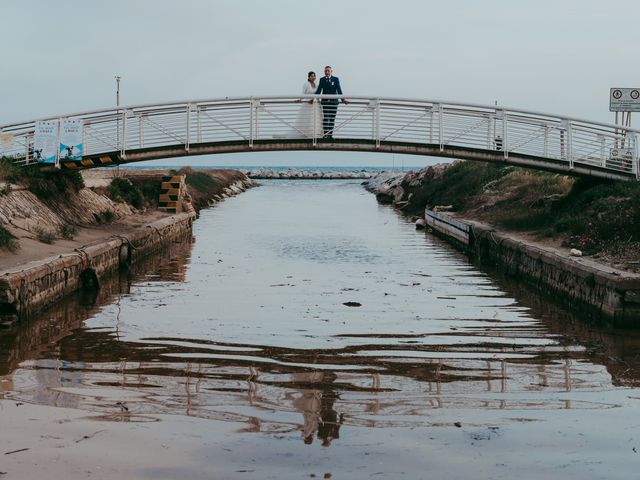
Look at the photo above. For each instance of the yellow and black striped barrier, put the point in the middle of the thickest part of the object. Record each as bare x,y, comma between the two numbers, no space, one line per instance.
172,190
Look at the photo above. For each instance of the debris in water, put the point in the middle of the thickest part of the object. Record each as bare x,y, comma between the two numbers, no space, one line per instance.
352,304
16,451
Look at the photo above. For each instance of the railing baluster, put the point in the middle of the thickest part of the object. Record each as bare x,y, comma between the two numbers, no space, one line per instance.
634,162
377,114
489,143
123,151
431,125
505,133
141,129
546,141
186,142
58,143
440,134
315,120
251,133
570,144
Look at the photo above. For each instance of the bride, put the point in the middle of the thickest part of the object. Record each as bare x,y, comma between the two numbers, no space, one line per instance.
309,119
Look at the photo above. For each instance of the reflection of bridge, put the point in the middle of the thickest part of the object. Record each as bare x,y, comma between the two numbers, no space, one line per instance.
366,124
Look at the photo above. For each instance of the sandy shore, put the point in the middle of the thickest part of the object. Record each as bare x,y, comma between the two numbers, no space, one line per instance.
32,250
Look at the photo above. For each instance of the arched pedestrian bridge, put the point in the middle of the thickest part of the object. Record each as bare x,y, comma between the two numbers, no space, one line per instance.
366,124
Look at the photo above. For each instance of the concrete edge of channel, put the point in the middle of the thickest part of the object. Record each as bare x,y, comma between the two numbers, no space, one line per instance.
614,296
28,289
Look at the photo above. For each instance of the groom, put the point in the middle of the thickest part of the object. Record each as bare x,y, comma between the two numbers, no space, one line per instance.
329,85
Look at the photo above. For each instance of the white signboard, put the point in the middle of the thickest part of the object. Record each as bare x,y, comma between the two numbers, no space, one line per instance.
621,153
6,141
71,139
624,100
45,141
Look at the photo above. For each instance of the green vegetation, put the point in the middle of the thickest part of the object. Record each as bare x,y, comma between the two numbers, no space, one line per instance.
7,241
44,236
595,216
108,216
200,181
600,215
9,171
150,190
461,182
122,190
44,184
68,231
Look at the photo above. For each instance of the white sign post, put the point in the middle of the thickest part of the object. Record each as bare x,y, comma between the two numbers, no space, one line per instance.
624,100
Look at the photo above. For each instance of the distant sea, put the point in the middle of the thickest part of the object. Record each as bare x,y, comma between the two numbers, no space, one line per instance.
340,168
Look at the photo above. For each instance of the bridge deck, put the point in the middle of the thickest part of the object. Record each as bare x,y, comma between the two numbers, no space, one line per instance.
418,127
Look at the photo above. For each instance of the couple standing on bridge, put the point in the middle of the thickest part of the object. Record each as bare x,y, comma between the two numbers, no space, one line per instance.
310,117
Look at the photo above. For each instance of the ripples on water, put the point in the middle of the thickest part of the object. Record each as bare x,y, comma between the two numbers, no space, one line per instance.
249,325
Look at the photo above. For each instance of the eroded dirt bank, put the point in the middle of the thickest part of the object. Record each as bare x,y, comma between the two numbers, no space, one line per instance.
58,233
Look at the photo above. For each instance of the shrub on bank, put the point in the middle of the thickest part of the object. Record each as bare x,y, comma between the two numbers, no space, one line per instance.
589,214
42,183
108,216
9,171
461,182
7,241
122,190
201,182
46,185
68,231
44,236
598,215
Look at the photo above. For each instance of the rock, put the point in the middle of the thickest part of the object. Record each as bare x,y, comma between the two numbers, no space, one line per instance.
352,304
443,208
384,198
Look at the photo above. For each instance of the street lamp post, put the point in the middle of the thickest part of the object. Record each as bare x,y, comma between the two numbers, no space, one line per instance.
117,77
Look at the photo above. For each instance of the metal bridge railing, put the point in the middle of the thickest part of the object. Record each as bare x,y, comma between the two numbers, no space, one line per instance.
378,120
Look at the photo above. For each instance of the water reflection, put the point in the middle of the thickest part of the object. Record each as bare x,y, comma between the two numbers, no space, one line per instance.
244,328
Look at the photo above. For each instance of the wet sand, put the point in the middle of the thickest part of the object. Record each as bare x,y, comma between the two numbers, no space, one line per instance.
32,250
59,443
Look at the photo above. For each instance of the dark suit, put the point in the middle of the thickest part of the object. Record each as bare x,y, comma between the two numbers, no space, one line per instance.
329,86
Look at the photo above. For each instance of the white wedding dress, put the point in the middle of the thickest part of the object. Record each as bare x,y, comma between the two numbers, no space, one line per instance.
309,118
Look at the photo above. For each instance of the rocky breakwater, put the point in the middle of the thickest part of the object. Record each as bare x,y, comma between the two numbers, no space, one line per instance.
405,191
296,174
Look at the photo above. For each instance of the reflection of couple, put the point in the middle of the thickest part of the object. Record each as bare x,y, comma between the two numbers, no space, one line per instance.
309,118
317,406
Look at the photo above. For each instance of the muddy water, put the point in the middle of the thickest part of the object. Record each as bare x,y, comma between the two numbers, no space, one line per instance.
309,332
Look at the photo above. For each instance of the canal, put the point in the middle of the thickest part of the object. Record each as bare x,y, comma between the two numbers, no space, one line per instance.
308,332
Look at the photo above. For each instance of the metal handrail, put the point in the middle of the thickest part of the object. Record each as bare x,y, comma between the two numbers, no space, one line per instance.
376,119
348,97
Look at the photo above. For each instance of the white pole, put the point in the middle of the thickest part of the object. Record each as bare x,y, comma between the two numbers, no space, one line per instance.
117,77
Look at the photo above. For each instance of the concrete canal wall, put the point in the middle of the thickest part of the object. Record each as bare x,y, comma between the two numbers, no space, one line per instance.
609,294
32,287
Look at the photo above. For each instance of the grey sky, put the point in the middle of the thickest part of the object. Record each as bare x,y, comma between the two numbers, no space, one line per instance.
556,56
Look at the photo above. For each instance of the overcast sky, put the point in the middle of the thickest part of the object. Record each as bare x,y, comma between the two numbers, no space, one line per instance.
556,56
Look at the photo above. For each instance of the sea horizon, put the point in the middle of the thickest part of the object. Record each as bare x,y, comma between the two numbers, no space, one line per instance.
279,168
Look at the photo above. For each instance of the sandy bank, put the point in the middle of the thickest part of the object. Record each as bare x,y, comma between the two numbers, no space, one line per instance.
22,213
